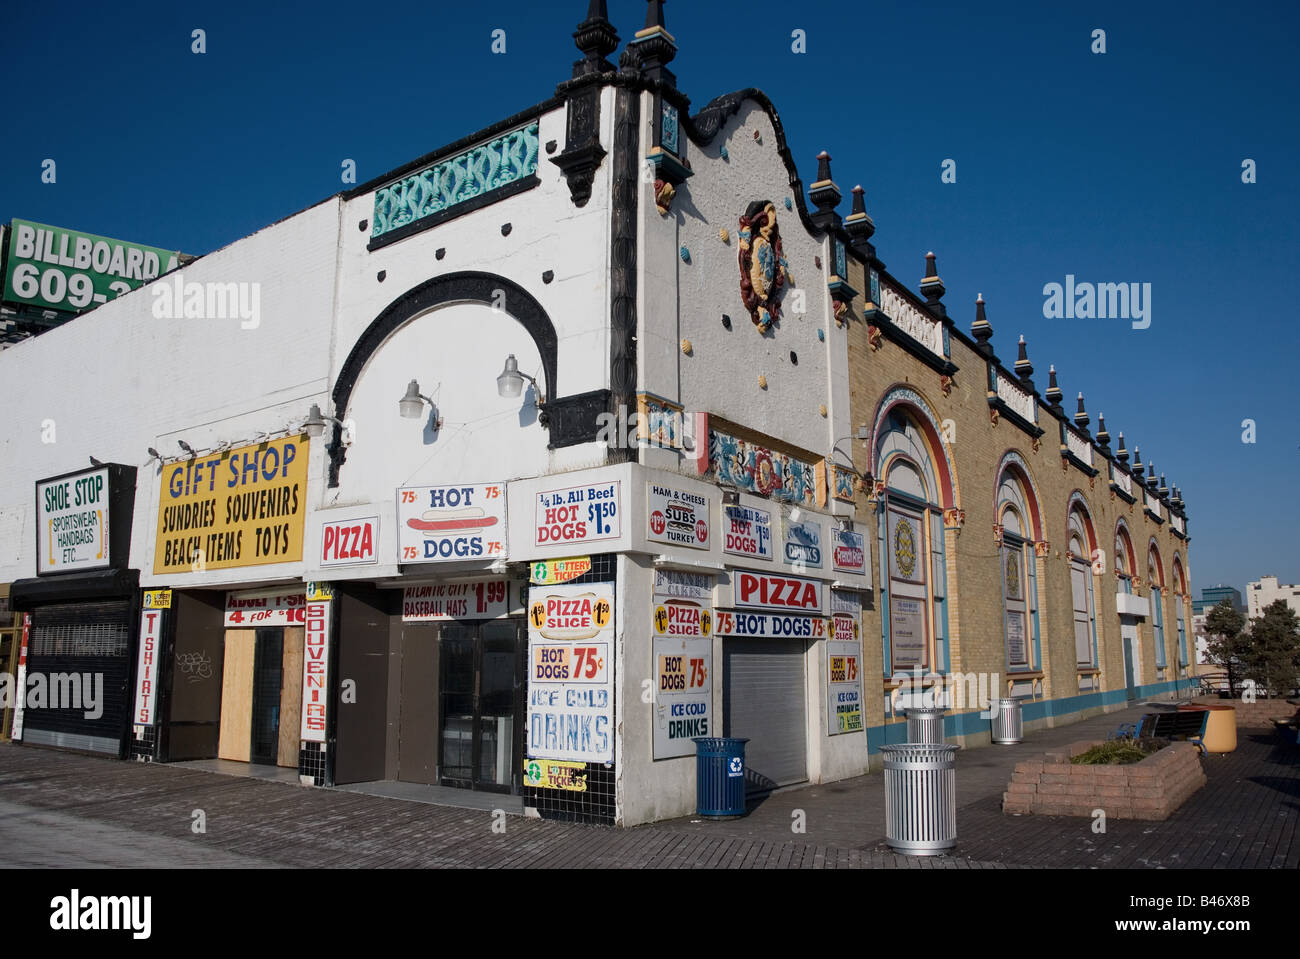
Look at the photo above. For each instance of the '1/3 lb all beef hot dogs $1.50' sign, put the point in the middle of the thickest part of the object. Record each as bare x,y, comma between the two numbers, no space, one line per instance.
448,524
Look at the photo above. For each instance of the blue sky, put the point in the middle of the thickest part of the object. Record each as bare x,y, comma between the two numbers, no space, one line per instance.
1118,167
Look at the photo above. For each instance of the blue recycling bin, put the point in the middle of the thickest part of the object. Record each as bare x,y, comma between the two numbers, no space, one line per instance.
719,777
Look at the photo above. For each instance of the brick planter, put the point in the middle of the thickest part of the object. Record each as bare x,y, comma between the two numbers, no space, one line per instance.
1150,789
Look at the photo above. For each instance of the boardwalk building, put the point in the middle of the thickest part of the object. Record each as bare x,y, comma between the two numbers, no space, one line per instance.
580,437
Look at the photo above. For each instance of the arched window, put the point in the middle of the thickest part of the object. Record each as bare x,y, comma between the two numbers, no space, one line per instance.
1123,558
1180,599
914,620
1081,547
1156,577
1019,575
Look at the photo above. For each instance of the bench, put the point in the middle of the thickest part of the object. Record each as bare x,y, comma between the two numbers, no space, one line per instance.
1188,724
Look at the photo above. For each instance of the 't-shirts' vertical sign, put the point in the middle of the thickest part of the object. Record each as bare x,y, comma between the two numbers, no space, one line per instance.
146,673
315,666
571,672
72,523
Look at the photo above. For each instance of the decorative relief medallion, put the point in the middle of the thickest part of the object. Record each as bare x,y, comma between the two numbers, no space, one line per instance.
763,268
904,548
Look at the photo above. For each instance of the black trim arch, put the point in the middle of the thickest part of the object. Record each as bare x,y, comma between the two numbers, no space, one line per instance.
462,287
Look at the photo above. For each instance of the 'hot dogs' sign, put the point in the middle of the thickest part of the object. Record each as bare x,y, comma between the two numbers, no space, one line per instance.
448,524
578,514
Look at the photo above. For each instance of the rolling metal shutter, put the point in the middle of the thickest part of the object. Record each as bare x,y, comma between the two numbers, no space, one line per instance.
79,642
763,700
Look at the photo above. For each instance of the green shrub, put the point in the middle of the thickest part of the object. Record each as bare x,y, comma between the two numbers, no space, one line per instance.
1118,752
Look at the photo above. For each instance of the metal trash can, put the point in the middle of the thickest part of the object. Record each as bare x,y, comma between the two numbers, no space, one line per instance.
719,777
920,798
925,725
1008,723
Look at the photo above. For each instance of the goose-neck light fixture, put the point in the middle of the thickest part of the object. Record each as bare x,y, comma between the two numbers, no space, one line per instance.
511,381
411,405
315,422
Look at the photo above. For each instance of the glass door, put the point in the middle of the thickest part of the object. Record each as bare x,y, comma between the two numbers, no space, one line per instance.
496,716
480,690
268,678
456,697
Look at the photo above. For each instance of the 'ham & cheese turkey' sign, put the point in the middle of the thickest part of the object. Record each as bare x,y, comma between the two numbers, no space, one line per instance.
449,524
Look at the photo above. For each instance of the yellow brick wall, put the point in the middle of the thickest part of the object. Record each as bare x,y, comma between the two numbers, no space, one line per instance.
974,593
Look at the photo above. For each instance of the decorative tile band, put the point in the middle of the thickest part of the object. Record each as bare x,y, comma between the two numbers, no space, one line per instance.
668,131
472,173
756,469
845,484
660,422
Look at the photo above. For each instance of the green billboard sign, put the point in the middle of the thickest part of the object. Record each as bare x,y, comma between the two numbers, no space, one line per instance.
66,270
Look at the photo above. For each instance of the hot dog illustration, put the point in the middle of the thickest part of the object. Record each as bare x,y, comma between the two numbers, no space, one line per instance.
451,520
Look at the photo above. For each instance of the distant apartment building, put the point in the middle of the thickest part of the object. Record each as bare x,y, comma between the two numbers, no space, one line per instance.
1211,596
1266,590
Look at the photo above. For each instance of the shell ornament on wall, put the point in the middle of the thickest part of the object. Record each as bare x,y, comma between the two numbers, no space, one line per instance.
763,268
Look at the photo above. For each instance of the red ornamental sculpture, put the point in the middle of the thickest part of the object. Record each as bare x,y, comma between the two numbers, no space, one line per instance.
763,269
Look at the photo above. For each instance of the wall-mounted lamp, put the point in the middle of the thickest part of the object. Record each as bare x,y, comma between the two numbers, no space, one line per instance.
95,462
845,524
186,447
154,454
411,405
316,420
730,497
511,381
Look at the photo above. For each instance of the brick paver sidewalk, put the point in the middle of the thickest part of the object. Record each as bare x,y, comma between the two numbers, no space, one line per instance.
54,804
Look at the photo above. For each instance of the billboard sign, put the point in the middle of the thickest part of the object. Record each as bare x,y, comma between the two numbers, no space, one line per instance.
68,270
